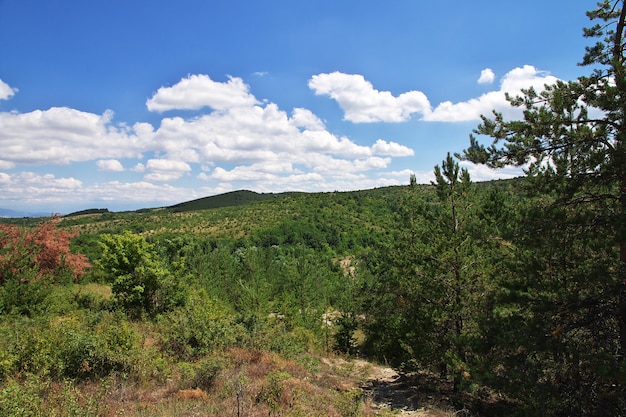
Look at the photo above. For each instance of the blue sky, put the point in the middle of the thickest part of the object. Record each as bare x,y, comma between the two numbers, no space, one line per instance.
132,104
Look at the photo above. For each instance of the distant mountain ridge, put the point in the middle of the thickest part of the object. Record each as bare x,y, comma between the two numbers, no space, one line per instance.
8,213
229,199
88,211
242,197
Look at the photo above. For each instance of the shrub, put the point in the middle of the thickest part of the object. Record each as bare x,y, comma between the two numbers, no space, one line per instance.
26,345
20,400
93,297
199,328
24,298
30,254
292,343
201,374
84,350
37,397
348,403
66,399
271,393
345,342
79,346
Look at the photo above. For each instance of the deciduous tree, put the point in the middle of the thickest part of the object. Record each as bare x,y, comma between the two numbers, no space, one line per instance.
29,254
141,282
33,257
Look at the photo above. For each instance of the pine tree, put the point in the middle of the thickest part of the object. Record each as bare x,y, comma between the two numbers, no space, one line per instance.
428,296
570,282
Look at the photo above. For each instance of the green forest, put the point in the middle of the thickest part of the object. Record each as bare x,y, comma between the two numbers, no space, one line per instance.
501,298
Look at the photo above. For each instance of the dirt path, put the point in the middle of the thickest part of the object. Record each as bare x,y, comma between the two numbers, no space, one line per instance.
389,390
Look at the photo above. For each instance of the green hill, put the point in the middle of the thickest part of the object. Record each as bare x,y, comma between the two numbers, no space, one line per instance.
233,198
87,212
340,221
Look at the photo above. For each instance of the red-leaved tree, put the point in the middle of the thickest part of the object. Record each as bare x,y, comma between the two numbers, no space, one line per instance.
30,254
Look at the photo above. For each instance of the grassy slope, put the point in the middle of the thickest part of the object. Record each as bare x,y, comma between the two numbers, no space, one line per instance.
234,198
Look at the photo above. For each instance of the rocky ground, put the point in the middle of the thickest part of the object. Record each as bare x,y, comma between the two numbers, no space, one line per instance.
400,394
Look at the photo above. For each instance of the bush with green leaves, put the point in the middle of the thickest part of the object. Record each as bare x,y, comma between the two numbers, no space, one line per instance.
20,400
203,326
85,350
201,374
35,396
140,280
26,346
77,346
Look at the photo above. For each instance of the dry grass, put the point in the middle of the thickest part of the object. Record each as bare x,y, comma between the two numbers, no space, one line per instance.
192,394
97,290
250,383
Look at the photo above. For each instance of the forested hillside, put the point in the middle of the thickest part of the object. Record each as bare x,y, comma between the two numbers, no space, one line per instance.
504,298
159,295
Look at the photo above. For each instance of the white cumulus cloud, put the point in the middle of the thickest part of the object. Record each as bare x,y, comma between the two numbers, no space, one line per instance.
38,189
483,173
525,77
62,135
6,91
198,91
163,170
112,165
486,76
362,103
138,191
257,134
246,143
382,147
305,119
513,82
48,193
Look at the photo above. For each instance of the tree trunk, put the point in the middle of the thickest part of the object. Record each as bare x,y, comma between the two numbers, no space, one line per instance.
618,67
621,279
621,303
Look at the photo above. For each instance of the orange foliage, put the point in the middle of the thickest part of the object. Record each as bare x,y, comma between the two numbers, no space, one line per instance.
43,249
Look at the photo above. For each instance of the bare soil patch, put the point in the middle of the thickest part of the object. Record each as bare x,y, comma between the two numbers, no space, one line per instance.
406,395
